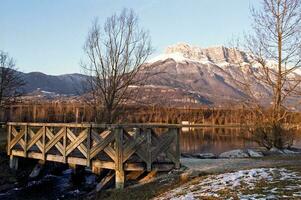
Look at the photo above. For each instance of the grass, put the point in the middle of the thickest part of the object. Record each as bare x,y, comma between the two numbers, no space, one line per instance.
158,187
145,191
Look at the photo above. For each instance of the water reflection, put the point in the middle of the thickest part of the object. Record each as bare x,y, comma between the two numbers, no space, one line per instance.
214,140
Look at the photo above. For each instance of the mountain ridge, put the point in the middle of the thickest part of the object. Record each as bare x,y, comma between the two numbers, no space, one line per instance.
202,75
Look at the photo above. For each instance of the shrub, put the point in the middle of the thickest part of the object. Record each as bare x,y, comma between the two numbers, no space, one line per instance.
273,134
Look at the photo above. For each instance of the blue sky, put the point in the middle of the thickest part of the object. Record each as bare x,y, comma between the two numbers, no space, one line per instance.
48,35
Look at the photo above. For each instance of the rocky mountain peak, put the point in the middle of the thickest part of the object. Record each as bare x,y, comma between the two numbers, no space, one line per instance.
225,54
187,51
218,54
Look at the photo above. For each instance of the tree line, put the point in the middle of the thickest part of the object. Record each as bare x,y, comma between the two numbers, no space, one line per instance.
77,113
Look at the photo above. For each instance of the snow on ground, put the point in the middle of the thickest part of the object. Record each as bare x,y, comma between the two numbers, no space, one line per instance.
260,183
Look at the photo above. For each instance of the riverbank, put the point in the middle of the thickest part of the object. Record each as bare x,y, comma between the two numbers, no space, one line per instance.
195,169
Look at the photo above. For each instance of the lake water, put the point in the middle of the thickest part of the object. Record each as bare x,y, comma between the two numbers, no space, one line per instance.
217,140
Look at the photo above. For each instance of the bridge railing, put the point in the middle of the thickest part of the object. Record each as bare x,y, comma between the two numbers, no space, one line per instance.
122,147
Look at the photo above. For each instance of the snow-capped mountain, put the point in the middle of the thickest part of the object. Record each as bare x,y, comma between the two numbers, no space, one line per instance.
213,73
182,75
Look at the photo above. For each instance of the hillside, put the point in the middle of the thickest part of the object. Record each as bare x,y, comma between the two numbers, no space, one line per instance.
182,75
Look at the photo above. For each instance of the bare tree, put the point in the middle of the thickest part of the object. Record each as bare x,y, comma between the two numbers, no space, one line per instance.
276,49
10,81
116,54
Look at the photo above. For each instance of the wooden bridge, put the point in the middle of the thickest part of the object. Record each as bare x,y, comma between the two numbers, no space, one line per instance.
122,148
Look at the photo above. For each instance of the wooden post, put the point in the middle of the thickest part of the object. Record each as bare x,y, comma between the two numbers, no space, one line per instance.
89,146
119,173
149,149
44,143
177,143
9,139
65,144
13,162
25,140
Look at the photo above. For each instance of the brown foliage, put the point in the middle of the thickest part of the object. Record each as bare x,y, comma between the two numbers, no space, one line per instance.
273,134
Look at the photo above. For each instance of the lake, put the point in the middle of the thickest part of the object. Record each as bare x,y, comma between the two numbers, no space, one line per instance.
217,140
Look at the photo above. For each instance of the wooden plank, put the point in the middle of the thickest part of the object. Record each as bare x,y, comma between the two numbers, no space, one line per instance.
25,140
96,138
38,143
17,153
105,126
133,175
140,151
55,140
14,134
162,146
134,166
178,152
119,173
110,152
43,143
101,145
106,180
58,145
34,137
131,146
77,161
168,151
148,149
150,176
81,147
88,147
9,139
77,141
163,167
65,145
17,139
103,164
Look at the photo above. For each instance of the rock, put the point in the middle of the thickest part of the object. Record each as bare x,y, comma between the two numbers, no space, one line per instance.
287,151
254,153
37,170
186,155
205,155
271,197
238,153
276,150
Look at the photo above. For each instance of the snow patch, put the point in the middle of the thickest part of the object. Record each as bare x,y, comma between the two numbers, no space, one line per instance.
214,184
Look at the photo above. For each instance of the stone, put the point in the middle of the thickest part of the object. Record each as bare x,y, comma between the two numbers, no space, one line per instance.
287,151
272,197
186,155
205,155
237,153
276,150
255,154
